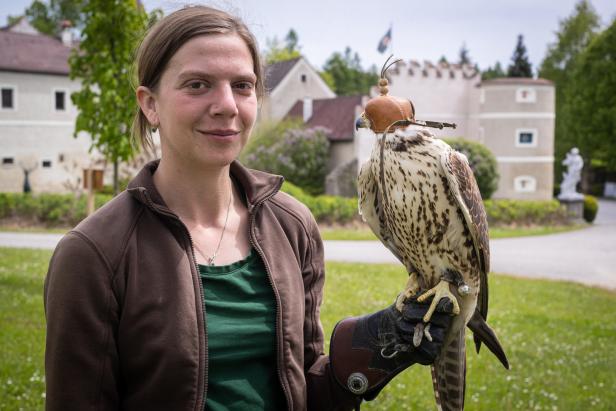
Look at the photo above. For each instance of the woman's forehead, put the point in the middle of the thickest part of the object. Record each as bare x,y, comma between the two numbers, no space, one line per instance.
207,48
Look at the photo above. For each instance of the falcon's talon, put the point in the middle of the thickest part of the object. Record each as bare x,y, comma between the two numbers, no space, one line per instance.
427,333
418,335
439,292
409,291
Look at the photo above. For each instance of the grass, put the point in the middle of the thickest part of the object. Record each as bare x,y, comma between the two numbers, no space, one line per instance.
559,337
34,229
363,233
22,328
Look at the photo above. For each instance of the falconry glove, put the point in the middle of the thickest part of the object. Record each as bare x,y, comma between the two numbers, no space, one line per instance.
367,352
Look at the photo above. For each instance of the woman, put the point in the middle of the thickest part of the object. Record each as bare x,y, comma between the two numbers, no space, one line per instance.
128,289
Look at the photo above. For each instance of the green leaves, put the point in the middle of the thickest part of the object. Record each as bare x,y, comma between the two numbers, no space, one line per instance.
103,62
347,74
482,162
590,100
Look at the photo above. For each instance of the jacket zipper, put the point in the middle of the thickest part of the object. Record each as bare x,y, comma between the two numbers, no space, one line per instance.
279,350
201,291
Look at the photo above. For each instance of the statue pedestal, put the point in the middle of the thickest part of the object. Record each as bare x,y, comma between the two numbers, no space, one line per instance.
575,209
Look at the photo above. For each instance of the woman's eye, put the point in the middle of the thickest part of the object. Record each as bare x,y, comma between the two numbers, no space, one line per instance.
197,85
245,85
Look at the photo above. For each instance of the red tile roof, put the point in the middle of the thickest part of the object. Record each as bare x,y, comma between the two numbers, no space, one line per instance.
33,53
336,114
274,73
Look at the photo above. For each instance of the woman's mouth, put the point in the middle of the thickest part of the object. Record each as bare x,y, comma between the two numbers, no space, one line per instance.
220,133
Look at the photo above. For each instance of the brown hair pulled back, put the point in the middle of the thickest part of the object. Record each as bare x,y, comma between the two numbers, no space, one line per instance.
166,37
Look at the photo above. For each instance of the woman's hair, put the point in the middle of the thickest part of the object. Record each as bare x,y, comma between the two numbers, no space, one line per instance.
166,37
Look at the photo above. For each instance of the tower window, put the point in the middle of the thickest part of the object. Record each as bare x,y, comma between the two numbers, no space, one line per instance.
525,184
526,138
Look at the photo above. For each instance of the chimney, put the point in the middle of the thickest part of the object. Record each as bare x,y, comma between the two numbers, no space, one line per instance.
67,34
307,108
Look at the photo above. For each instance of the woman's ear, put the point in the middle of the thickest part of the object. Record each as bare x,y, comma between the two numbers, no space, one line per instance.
147,101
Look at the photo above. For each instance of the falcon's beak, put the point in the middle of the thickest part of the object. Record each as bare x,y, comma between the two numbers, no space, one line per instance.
362,122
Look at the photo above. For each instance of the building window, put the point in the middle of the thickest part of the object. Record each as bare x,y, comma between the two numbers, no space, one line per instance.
525,184
525,95
525,137
8,98
60,100
303,78
46,163
8,161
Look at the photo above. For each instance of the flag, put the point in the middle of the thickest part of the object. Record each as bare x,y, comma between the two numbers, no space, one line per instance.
384,43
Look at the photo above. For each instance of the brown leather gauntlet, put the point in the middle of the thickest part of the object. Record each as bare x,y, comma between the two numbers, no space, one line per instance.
367,352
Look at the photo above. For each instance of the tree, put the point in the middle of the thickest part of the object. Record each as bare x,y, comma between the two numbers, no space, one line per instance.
464,57
443,60
291,41
348,76
47,18
493,72
520,66
590,101
574,34
276,51
106,101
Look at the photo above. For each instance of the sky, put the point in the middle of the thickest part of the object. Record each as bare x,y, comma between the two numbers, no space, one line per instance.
421,30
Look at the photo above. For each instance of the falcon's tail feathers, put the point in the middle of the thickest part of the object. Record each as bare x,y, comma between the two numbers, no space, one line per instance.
483,333
449,375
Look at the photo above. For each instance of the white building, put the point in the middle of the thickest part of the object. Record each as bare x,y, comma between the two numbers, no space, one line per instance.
37,117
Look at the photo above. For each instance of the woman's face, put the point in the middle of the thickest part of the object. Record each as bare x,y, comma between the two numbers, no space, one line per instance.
206,103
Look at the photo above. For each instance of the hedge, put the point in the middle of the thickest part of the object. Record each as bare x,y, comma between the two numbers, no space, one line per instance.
67,210
47,209
525,212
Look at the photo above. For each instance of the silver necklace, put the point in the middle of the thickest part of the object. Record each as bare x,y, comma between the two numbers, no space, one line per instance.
210,260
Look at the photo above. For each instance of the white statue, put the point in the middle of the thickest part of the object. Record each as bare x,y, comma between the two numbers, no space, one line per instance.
572,176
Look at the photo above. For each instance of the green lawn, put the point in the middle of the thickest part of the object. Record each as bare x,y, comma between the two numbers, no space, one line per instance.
560,339
363,233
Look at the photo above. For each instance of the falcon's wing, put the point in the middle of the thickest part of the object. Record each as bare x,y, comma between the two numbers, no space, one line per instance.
370,207
466,192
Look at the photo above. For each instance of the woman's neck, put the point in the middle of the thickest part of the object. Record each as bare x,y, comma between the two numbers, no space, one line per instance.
197,196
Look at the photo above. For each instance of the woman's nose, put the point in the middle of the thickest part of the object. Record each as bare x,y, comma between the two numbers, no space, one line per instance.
224,103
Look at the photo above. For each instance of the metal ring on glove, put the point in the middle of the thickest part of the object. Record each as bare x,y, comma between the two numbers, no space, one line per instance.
388,356
357,383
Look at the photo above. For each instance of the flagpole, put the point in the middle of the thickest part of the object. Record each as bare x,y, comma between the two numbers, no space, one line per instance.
391,41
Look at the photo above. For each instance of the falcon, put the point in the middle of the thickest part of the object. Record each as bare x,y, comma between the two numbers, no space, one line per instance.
420,198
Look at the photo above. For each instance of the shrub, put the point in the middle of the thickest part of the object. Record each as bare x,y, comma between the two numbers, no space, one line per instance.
525,212
299,155
326,209
591,207
48,209
482,162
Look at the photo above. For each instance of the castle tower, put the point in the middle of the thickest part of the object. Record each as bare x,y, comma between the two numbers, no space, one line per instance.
516,122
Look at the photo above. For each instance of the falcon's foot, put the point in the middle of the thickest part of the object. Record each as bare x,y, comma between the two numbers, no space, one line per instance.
410,290
440,291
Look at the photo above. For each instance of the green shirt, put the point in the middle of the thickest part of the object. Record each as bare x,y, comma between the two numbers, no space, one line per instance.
241,331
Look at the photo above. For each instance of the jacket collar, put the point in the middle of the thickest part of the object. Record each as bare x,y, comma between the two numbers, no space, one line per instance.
257,185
